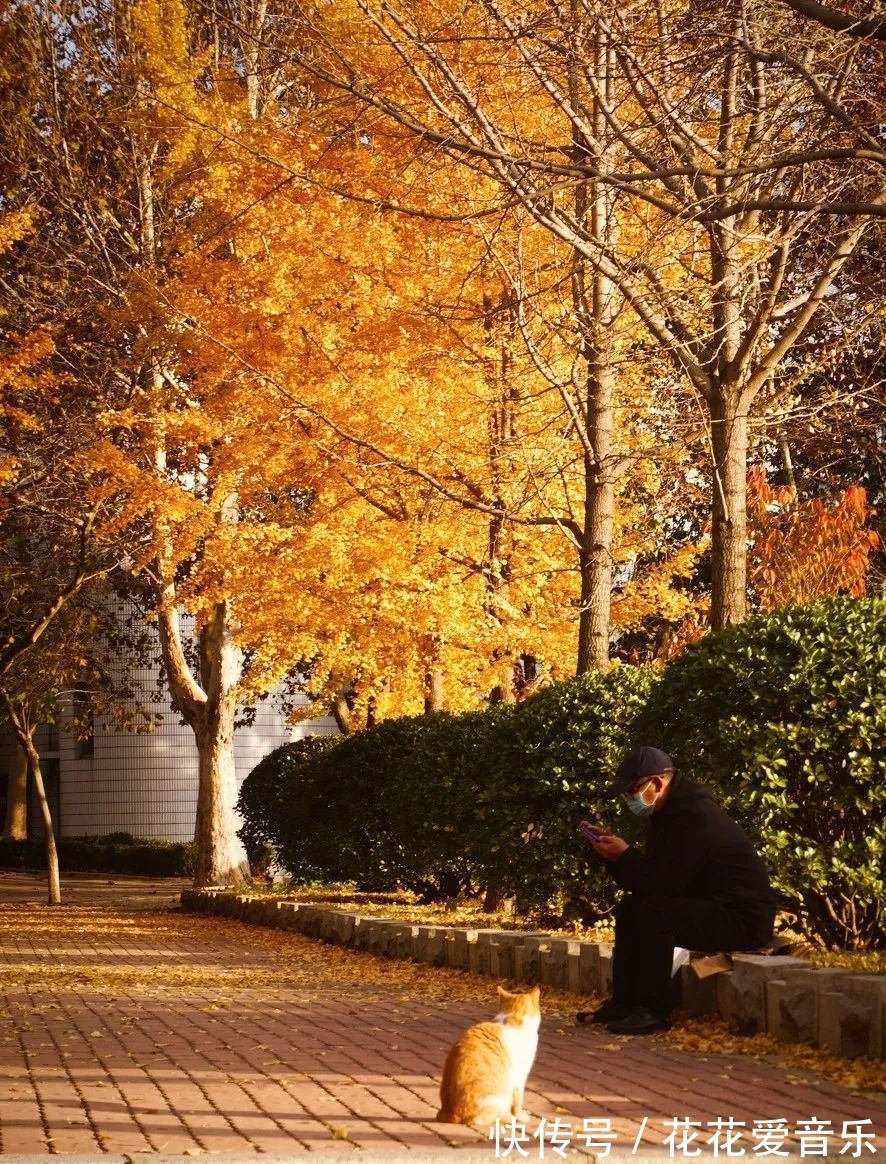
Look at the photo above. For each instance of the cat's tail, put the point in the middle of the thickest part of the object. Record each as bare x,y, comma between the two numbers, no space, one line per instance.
455,1115
448,1115
482,1118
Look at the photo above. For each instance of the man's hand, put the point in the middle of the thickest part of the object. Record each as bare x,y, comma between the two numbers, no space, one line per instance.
609,847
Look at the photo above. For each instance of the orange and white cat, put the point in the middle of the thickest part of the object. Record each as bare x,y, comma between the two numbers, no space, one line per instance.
487,1067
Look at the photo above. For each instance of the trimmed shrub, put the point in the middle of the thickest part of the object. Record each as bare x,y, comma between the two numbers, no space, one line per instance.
106,854
379,808
545,768
785,717
263,795
440,803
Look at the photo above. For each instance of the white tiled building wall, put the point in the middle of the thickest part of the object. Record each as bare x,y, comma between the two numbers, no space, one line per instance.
145,784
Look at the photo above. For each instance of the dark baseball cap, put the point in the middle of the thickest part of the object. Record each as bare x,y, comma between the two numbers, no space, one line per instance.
639,763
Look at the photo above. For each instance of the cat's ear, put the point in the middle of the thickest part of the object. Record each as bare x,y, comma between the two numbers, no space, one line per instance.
503,994
536,993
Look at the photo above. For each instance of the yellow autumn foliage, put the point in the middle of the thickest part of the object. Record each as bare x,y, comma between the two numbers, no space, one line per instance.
347,423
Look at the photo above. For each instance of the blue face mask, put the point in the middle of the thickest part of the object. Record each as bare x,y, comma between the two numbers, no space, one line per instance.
638,806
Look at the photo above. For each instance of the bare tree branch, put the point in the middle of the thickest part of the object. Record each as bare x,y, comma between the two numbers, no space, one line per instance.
872,27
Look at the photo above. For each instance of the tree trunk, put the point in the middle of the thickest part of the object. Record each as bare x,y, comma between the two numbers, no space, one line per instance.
871,25
594,302
788,476
504,690
595,554
499,323
434,689
729,534
729,410
341,710
16,824
53,879
221,857
210,710
24,729
596,579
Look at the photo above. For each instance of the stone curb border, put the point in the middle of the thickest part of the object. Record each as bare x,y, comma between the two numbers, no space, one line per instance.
836,1009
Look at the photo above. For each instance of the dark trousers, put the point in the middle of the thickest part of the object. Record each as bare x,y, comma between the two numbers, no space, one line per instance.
648,928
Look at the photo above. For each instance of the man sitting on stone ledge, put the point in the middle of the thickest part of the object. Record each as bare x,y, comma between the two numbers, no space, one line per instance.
699,884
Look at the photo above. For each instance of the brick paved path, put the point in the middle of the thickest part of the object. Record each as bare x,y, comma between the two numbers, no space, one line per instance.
170,1033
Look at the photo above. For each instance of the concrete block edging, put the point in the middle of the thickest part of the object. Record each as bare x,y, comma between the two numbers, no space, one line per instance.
838,1009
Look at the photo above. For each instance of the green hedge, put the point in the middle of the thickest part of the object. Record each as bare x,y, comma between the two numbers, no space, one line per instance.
380,808
438,803
547,766
114,853
785,717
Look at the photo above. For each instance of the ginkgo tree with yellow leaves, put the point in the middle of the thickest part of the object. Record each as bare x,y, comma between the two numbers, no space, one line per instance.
211,510
382,351
391,343
737,142
55,559
413,369
153,470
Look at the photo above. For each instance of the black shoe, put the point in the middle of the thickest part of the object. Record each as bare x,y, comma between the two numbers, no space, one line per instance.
607,1012
640,1020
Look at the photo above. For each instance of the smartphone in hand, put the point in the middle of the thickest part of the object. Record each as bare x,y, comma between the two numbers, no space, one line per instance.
590,832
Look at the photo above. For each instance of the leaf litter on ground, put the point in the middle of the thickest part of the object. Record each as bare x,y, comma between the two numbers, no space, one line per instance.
106,950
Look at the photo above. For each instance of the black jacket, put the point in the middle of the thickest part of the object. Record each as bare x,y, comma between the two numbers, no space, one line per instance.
694,849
